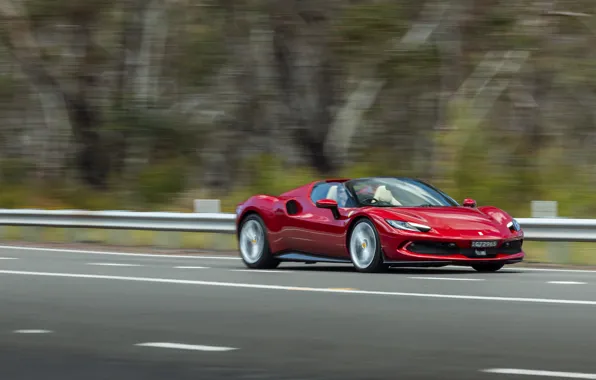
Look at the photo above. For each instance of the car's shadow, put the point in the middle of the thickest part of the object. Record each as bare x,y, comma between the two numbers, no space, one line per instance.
392,270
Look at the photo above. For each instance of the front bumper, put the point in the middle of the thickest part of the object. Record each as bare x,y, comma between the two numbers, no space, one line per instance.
400,250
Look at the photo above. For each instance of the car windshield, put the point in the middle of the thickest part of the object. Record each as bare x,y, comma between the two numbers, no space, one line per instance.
398,192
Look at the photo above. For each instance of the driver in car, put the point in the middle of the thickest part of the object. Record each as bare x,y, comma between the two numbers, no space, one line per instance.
342,197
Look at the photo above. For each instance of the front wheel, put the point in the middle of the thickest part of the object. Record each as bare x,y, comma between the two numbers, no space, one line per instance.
365,248
488,267
254,246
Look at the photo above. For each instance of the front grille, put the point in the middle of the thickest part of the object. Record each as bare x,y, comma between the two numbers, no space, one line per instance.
512,247
433,248
446,248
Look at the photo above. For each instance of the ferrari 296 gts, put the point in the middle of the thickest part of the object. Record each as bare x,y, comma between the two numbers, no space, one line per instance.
375,223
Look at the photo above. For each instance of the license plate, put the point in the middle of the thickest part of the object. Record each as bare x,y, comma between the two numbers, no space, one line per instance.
484,244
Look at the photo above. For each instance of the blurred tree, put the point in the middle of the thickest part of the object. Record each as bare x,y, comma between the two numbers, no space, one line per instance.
492,98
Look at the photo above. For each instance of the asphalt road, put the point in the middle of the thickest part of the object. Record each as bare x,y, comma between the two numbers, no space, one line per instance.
82,315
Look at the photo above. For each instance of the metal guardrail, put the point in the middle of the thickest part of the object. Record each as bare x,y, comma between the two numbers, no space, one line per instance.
537,229
559,229
123,220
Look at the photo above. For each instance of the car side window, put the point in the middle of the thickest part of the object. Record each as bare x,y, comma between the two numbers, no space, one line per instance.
335,191
319,192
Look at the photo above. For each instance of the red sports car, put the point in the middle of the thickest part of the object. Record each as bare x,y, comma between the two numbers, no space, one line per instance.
375,223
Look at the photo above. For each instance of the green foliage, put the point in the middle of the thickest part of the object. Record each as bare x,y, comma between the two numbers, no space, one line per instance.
366,28
83,198
412,66
265,174
45,10
476,178
161,182
201,52
9,87
14,197
268,175
14,171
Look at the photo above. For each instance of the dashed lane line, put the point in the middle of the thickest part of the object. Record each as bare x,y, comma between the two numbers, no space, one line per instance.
32,331
181,346
260,271
567,282
446,278
114,264
526,372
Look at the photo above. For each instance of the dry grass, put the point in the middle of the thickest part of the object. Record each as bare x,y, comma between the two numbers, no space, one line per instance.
561,253
131,238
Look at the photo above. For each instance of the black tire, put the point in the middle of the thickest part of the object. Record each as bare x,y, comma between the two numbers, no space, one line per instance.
487,267
260,257
374,265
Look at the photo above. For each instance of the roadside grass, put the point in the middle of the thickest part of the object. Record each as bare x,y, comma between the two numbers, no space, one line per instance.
560,253
121,238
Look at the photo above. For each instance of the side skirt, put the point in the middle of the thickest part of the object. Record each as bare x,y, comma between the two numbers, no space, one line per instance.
300,257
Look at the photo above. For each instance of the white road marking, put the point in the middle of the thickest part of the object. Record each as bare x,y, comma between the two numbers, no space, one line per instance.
298,288
114,265
8,258
567,282
191,267
32,331
568,375
446,278
120,253
260,271
180,346
527,269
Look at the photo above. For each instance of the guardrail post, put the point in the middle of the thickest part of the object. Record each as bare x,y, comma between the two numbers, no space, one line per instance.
207,206
557,252
203,206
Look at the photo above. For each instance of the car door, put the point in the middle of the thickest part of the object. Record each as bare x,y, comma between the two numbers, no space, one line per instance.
316,231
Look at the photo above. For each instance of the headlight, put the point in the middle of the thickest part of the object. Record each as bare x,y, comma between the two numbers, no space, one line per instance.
514,225
408,226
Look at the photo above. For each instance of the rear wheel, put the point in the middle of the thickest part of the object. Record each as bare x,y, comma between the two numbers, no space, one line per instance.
365,247
488,267
254,246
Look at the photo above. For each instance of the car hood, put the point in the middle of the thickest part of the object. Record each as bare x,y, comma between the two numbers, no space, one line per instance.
461,222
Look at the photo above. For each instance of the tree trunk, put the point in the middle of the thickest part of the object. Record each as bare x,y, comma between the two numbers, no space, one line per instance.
92,159
306,78
23,46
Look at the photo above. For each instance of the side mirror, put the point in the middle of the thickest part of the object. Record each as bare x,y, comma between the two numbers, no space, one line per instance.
331,205
469,203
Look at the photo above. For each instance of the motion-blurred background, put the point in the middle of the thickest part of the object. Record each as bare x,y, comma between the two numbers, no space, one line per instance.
149,104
